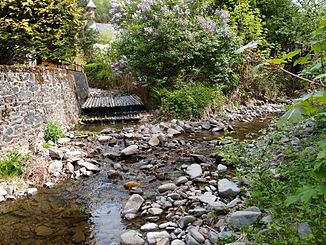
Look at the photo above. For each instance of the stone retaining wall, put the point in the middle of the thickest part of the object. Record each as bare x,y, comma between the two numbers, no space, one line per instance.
32,96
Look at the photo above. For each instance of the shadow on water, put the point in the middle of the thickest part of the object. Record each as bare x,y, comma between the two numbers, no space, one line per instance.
87,211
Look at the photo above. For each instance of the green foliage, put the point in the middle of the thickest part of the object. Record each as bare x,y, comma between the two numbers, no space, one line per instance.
12,163
174,38
283,179
98,69
102,11
53,132
189,100
308,105
39,29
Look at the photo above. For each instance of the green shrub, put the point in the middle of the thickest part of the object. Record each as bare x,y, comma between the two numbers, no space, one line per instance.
190,100
53,131
161,40
12,163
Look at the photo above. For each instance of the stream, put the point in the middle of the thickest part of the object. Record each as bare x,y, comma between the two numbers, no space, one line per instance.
87,211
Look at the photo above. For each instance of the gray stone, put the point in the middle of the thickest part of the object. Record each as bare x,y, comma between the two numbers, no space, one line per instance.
207,197
56,153
217,206
184,221
62,141
154,237
213,237
191,241
163,241
3,191
225,234
177,242
181,180
133,204
89,166
194,170
304,229
31,191
130,150
243,218
167,187
55,166
267,219
206,125
2,199
154,141
104,138
155,211
221,168
131,238
227,188
149,227
172,132
197,235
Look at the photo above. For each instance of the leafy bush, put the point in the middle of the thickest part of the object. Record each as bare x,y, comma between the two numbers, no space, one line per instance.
162,39
190,100
53,131
12,163
38,29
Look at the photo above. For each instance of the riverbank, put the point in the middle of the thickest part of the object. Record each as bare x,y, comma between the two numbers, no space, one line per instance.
144,160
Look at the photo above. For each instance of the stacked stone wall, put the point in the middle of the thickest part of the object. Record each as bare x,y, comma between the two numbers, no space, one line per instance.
30,97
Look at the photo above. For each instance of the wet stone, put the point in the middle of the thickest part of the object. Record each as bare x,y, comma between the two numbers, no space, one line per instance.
43,231
131,238
133,204
167,187
181,180
149,227
154,237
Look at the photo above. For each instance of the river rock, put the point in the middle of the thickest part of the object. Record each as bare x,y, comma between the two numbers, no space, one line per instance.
56,153
79,237
31,191
243,218
217,206
62,141
194,170
131,238
177,242
55,166
131,184
171,132
104,138
197,235
89,166
3,191
113,174
154,237
181,180
43,231
227,188
154,140
206,125
70,167
155,211
130,150
2,199
191,240
304,229
132,205
207,197
149,227
167,187
184,221
221,168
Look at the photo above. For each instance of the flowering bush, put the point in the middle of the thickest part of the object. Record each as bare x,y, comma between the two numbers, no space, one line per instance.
159,40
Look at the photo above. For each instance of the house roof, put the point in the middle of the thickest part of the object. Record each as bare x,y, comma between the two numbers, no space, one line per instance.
91,4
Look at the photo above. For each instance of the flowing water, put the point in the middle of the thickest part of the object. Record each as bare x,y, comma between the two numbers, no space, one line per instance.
87,211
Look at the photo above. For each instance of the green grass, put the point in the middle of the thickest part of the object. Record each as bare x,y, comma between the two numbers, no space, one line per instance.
53,132
293,196
12,163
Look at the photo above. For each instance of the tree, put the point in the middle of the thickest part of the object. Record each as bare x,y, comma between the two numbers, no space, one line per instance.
38,29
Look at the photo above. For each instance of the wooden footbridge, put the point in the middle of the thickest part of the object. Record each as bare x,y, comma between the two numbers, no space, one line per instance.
106,107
